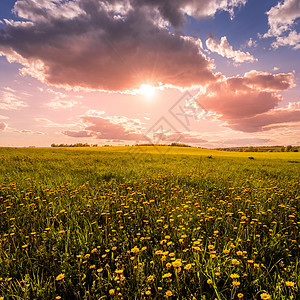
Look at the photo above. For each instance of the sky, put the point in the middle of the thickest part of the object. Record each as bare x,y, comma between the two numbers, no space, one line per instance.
209,73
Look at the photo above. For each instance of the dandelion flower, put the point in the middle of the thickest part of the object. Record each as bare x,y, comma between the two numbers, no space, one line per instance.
60,277
265,296
289,283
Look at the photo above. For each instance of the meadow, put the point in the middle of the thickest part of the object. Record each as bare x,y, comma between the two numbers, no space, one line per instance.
148,223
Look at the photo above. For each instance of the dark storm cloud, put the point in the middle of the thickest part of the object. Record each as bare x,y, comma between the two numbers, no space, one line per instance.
109,45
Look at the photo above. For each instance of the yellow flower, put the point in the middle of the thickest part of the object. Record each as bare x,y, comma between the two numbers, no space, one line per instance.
169,294
92,267
100,270
167,275
290,283
235,283
235,262
188,267
177,263
211,247
87,256
148,293
135,250
234,276
225,251
111,292
168,265
60,277
158,252
151,278
265,296
209,281
94,250
240,295
114,248
119,271
57,297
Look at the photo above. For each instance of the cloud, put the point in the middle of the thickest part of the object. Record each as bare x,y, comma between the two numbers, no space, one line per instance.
25,131
247,103
61,104
2,126
109,128
10,101
77,134
224,49
281,19
273,119
3,117
110,45
292,39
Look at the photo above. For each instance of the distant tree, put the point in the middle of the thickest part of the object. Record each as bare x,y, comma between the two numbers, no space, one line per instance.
282,149
289,148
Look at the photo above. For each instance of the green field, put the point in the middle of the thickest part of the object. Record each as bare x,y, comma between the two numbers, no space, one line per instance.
148,223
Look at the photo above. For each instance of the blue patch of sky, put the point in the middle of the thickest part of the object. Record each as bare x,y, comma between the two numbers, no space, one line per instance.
6,12
248,21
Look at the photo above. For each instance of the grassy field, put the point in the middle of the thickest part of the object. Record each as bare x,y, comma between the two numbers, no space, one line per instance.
148,223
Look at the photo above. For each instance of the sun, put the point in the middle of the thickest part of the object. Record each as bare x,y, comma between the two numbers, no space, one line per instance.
147,90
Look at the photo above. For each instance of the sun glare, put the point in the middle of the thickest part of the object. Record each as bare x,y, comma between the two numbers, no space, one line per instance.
147,90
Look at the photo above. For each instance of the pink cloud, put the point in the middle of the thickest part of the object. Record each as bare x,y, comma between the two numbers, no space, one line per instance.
224,49
282,20
109,128
270,120
247,103
91,47
2,126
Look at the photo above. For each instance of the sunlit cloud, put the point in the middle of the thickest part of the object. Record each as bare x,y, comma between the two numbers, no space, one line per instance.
224,49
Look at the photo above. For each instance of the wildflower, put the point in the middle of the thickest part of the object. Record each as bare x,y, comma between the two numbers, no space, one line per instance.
235,262
92,267
209,281
265,296
148,293
240,295
289,283
168,265
167,275
57,297
188,267
151,278
60,277
177,263
87,256
235,283
94,250
119,271
111,292
211,247
169,294
99,270
234,276
240,253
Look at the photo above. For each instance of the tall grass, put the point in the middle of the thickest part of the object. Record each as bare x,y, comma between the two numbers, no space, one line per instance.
104,223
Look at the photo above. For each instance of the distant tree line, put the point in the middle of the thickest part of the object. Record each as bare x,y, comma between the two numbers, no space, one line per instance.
170,145
288,148
74,145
